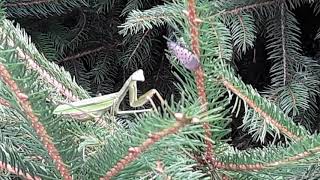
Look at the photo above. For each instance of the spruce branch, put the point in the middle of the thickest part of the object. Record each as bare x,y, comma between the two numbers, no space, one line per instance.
40,8
17,172
316,11
243,31
194,23
300,156
17,4
44,74
52,74
284,46
264,114
276,157
138,50
223,36
36,124
104,6
237,167
134,152
292,82
283,41
148,19
132,5
292,4
14,151
317,35
138,45
244,27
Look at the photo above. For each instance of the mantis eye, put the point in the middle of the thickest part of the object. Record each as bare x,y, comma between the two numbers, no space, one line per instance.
185,57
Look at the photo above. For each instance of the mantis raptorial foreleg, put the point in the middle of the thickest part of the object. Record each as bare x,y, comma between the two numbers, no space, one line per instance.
136,101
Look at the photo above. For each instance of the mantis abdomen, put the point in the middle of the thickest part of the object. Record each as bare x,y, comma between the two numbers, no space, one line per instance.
100,103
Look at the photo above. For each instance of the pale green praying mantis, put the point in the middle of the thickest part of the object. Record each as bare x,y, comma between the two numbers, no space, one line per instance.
97,106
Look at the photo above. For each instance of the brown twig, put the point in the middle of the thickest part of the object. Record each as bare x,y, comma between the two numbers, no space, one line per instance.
36,124
17,172
17,4
161,170
81,54
199,73
4,102
134,152
248,7
265,115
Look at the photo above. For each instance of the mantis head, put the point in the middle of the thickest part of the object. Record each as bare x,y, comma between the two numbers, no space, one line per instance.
138,76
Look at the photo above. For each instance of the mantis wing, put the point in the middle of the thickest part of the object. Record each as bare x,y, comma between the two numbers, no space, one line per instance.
95,104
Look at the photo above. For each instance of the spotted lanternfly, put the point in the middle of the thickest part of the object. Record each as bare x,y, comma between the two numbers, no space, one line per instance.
185,57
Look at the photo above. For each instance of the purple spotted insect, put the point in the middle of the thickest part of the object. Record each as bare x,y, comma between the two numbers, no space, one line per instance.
185,57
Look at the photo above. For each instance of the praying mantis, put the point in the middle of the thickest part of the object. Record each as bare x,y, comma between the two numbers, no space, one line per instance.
95,107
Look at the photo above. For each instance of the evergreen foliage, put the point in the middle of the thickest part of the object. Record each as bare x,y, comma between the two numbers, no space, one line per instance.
77,49
42,8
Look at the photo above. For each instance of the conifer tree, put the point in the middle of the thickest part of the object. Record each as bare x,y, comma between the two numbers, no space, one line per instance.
205,40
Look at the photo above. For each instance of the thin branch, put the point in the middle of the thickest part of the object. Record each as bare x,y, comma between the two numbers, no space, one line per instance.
199,73
134,152
248,7
36,124
79,55
284,48
138,45
265,115
83,25
17,172
30,3
4,102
